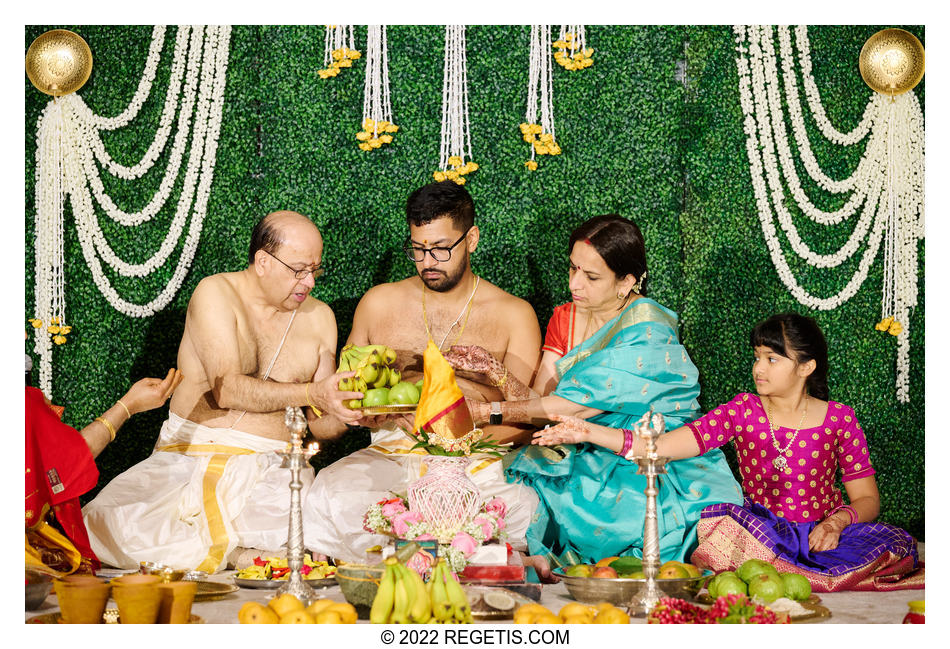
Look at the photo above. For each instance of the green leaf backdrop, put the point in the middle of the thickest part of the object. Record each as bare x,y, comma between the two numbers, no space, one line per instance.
652,131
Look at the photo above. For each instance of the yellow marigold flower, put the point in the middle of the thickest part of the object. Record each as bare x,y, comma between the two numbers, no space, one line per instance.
54,320
375,143
895,328
53,329
362,136
392,128
354,54
560,55
59,340
385,139
554,149
547,138
455,161
368,124
346,63
472,166
439,176
884,324
451,175
531,164
540,149
65,330
588,63
560,44
365,147
524,127
459,181
36,322
569,36
536,128
528,137
588,51
578,56
337,54
382,124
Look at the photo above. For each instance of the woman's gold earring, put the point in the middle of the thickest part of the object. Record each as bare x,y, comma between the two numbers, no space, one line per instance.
621,296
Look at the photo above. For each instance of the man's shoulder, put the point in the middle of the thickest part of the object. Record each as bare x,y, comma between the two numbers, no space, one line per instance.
390,291
217,287
501,298
317,309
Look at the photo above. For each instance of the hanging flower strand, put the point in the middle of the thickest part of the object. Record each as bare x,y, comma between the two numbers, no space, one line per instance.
570,48
540,98
338,50
886,187
69,145
455,143
377,122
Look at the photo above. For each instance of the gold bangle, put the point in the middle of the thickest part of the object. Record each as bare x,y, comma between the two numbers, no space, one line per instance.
105,422
125,407
503,380
316,411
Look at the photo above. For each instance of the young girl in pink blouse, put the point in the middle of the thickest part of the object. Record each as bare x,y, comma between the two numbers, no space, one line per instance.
790,442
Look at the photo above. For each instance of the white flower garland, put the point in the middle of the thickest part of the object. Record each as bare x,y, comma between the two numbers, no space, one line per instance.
377,121
540,133
69,144
888,180
455,143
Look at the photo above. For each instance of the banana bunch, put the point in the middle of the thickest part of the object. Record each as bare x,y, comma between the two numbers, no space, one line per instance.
372,366
403,598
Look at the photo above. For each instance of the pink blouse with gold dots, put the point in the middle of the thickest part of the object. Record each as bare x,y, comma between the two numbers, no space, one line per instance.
805,490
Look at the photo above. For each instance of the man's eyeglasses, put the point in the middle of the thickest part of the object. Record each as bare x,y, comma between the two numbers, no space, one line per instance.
439,253
301,272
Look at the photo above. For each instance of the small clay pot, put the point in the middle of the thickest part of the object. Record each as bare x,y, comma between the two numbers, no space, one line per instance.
138,600
82,601
177,597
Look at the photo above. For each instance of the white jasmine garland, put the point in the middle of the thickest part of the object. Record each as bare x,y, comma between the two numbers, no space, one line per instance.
887,184
454,140
69,145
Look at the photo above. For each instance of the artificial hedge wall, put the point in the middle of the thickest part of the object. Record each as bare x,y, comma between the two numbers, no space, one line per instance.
651,131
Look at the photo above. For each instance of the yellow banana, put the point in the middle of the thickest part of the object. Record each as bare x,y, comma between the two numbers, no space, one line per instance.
463,611
400,599
441,606
369,373
395,376
383,602
359,385
382,379
421,609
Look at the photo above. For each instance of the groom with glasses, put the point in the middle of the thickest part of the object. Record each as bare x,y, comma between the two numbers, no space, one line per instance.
447,302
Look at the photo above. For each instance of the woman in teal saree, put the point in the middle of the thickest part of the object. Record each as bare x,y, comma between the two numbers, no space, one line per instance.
591,499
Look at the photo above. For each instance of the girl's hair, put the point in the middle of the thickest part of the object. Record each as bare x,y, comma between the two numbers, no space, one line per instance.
799,338
618,241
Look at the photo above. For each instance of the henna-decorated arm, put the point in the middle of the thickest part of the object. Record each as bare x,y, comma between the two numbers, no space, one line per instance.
472,358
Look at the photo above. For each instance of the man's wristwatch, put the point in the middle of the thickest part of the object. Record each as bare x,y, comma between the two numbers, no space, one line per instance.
495,416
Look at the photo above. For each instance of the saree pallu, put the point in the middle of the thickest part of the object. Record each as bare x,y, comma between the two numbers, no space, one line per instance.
869,556
591,500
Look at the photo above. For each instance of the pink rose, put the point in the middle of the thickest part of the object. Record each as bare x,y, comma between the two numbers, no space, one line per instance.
465,543
501,523
401,522
485,524
497,507
424,537
390,509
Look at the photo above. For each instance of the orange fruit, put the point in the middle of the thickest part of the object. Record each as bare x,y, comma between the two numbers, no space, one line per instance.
298,616
284,604
606,561
345,610
317,606
329,616
256,613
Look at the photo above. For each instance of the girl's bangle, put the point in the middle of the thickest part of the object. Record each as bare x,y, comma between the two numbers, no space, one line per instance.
627,442
852,513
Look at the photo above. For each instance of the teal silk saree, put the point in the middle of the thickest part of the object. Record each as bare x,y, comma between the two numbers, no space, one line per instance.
591,500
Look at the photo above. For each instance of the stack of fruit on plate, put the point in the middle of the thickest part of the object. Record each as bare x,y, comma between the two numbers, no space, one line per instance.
571,613
631,568
287,609
277,568
380,383
760,581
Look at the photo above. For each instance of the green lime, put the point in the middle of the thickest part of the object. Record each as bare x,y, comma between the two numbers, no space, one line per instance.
376,397
797,587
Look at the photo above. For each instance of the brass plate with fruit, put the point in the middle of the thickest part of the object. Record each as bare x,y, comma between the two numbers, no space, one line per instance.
389,409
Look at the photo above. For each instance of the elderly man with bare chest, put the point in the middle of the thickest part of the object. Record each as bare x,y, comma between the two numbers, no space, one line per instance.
448,303
255,342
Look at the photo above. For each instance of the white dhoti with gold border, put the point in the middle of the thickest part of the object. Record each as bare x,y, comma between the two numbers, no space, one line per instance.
202,492
342,492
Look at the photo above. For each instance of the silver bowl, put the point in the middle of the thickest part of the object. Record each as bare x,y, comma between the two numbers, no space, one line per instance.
619,591
165,572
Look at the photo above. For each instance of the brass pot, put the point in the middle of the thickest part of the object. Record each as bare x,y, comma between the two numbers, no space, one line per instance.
892,61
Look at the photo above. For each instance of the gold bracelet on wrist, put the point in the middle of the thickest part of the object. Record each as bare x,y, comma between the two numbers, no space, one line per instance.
105,422
125,407
316,411
500,384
